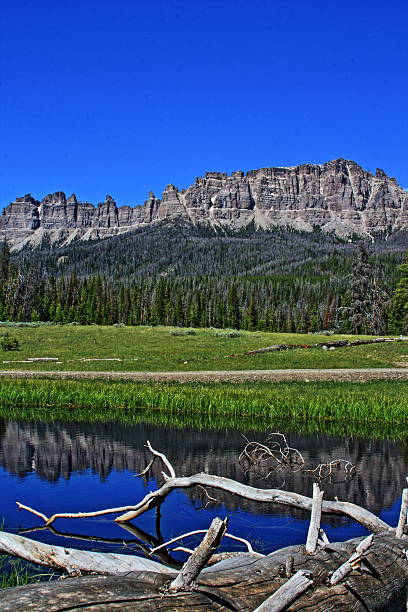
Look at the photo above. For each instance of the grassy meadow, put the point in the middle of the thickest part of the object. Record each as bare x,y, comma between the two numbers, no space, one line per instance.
251,404
102,348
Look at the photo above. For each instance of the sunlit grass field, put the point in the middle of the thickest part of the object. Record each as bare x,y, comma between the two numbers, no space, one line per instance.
101,348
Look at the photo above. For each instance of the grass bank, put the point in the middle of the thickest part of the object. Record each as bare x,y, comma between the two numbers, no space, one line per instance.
103,348
332,407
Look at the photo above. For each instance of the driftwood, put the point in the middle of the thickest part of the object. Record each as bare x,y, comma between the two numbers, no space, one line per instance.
403,514
274,455
371,574
239,583
314,528
276,496
75,561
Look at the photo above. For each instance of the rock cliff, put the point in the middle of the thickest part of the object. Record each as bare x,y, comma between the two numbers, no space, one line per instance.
338,196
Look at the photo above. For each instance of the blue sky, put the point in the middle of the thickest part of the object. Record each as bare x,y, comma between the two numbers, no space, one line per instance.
124,97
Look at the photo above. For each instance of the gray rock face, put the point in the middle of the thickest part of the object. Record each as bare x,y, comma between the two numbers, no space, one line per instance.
338,196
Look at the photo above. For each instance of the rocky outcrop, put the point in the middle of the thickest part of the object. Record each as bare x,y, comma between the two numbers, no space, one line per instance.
338,196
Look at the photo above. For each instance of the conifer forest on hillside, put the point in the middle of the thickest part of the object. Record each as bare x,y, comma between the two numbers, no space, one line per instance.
177,274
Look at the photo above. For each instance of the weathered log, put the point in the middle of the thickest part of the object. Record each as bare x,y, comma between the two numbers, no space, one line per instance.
328,344
314,527
73,560
202,554
240,583
287,593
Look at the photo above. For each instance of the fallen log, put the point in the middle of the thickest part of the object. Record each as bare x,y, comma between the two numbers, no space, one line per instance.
73,560
242,583
328,344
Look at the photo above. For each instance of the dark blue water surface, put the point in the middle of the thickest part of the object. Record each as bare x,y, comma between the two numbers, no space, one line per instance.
58,467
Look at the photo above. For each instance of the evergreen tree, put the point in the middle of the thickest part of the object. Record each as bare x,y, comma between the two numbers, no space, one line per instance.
5,273
399,307
368,300
233,308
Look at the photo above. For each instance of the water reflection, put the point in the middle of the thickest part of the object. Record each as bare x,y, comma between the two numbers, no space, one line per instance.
63,466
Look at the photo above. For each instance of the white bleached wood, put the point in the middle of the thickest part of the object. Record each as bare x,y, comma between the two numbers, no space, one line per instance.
195,532
402,521
276,496
314,527
40,514
163,458
287,593
74,560
286,498
324,537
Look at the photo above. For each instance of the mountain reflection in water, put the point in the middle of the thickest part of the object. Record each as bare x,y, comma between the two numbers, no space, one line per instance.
80,467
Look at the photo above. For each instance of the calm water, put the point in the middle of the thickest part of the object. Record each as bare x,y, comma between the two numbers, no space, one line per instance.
81,467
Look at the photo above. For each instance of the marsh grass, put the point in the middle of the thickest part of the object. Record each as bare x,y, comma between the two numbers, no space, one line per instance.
357,408
14,572
168,349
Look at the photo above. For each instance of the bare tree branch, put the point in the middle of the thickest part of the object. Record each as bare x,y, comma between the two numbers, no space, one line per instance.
163,458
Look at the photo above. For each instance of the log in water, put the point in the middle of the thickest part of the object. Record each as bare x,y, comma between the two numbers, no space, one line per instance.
241,583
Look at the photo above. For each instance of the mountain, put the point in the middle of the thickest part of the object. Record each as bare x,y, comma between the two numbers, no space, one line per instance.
337,197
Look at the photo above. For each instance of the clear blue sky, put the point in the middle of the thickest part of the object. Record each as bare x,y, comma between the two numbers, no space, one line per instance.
123,97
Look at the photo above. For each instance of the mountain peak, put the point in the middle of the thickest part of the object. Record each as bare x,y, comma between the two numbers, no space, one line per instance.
338,196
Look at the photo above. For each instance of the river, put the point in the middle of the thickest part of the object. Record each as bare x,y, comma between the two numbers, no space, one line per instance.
56,467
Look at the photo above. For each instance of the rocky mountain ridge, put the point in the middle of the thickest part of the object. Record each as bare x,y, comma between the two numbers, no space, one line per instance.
338,196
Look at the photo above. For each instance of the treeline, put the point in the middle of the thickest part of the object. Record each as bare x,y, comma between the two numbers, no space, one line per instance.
282,281
279,303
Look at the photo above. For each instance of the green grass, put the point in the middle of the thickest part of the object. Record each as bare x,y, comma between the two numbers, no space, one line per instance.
14,572
324,406
156,349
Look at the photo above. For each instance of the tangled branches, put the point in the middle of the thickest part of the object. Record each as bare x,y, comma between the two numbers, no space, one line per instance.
276,455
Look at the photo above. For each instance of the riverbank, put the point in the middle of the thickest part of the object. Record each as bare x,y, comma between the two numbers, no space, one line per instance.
360,405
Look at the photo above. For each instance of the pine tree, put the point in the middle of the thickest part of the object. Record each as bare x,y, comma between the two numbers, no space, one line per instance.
5,273
399,307
233,308
368,300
